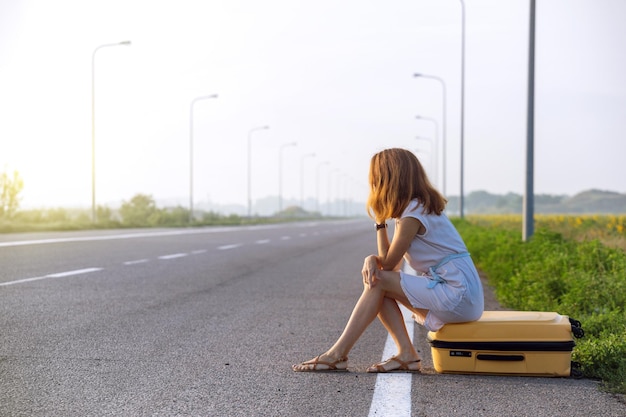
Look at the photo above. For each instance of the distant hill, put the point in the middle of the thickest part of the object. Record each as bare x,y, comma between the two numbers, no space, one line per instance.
586,202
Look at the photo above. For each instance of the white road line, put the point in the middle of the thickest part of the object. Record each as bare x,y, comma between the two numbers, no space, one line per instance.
121,236
285,238
134,235
226,247
392,393
173,256
262,241
56,275
138,261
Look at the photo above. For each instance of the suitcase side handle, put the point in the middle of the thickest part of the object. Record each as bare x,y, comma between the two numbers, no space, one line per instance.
501,358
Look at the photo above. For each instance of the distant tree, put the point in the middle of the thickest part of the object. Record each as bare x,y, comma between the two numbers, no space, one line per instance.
175,216
210,217
105,216
57,215
139,211
10,188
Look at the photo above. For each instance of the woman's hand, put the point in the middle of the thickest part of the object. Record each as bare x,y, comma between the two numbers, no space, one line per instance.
370,267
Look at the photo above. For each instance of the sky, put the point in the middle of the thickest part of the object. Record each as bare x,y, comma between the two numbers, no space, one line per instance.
335,77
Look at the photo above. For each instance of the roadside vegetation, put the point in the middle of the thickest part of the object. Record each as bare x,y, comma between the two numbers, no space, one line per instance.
574,265
139,211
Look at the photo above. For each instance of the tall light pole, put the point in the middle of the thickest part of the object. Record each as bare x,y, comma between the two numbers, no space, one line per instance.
330,175
250,168
433,148
317,185
194,101
443,124
309,155
529,194
280,175
436,124
461,197
93,125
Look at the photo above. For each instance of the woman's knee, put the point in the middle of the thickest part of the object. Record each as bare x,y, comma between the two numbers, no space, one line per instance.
389,279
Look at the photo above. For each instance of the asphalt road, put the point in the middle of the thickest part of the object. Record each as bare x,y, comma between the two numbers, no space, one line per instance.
206,322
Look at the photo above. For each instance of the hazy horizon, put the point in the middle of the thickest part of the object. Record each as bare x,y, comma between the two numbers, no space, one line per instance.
336,78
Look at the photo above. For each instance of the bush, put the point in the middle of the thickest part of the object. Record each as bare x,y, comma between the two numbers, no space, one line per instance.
139,211
585,280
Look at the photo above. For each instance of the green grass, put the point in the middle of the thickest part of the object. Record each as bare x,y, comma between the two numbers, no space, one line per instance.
585,280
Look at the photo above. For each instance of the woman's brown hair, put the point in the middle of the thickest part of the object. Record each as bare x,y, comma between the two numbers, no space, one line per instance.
396,177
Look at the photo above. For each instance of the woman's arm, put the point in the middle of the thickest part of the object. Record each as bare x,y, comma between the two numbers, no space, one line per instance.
390,254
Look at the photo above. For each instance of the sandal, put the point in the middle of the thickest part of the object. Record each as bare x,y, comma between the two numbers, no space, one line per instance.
312,365
402,366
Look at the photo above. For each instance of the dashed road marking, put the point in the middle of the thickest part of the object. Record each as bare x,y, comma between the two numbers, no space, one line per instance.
173,256
137,261
226,247
124,236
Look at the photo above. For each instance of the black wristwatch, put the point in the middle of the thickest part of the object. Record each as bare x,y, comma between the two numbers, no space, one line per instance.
381,226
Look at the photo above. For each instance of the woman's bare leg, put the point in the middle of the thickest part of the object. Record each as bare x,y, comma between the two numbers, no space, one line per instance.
364,312
391,317
372,302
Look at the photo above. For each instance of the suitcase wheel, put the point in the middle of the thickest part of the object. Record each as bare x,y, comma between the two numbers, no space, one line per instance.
577,328
575,371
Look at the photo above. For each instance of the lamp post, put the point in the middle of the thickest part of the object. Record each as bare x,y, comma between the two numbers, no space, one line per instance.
528,227
280,175
422,153
317,185
443,123
435,160
346,194
309,155
194,101
249,167
93,125
461,198
330,175
436,124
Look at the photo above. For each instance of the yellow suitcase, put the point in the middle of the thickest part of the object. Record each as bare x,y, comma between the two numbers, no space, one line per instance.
532,343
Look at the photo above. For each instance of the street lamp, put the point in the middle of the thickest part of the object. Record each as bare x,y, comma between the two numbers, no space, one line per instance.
280,175
191,151
426,153
317,185
309,155
434,154
249,167
436,124
443,122
528,227
461,198
93,125
330,175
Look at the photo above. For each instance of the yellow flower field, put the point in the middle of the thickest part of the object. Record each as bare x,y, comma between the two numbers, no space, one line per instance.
609,229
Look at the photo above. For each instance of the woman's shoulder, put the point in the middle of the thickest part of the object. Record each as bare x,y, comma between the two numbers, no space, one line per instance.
413,209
